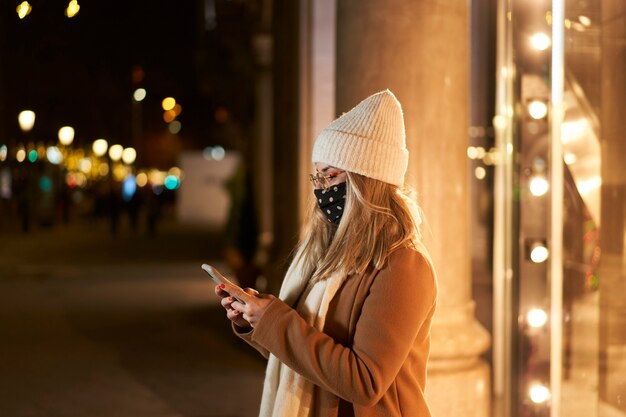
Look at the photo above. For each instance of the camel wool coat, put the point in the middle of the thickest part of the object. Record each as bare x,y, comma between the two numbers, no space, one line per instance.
370,360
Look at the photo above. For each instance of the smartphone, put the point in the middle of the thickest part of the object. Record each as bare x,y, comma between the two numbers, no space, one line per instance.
220,279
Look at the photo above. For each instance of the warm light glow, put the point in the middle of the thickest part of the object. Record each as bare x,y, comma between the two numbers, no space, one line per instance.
537,109
72,9
115,152
66,135
23,9
174,127
538,186
84,165
540,41
54,155
129,155
175,171
169,116
539,393
499,121
142,179
538,253
26,119
139,94
584,20
480,173
3,152
168,103
20,155
589,185
120,172
536,318
472,153
100,147
570,158
103,169
178,109
156,177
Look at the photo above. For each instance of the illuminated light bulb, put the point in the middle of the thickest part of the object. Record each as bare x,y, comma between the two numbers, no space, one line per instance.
168,103
66,135
537,109
540,41
536,318
26,120
139,94
539,393
23,9
100,147
72,9
115,152
174,127
570,158
54,155
584,20
480,173
538,253
539,186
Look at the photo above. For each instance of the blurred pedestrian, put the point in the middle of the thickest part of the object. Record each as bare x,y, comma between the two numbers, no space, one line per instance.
349,334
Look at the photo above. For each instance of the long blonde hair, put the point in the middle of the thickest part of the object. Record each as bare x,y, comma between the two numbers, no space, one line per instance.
378,218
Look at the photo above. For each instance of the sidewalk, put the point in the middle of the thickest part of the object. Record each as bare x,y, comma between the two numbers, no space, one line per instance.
92,325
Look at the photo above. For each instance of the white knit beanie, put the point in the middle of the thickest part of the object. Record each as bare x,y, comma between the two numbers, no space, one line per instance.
368,140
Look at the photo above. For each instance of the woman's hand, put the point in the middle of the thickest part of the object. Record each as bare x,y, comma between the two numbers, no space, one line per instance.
243,315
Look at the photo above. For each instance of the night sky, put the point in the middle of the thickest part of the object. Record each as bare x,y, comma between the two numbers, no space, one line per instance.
83,71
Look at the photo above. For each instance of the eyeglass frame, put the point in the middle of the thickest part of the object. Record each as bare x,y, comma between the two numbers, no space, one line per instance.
324,181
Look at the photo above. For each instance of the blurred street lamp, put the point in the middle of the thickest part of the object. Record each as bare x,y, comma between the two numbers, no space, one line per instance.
26,119
66,135
23,9
115,152
129,155
100,147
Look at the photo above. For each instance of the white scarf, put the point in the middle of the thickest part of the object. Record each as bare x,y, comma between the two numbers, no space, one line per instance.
285,392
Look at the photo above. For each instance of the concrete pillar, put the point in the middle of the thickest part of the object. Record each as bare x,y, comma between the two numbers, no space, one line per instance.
420,51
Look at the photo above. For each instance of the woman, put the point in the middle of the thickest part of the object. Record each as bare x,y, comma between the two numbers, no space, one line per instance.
349,334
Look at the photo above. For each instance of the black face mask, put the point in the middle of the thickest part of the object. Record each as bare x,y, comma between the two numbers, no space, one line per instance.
332,202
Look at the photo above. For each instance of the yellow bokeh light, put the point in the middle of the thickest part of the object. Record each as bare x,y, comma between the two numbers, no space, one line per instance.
129,155
100,147
103,169
115,152
23,9
175,171
169,116
156,177
72,9
168,103
178,109
537,109
141,179
120,172
540,41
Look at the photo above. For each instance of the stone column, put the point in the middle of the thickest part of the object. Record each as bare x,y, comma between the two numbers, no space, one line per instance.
420,51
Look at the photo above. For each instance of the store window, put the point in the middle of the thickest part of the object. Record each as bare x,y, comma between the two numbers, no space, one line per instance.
559,321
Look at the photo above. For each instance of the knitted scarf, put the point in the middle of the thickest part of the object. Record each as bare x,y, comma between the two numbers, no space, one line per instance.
285,392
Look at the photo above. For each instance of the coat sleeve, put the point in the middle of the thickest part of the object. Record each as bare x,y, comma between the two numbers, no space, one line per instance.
246,335
402,298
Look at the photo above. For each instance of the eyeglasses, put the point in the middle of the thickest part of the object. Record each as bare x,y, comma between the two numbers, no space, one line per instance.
324,181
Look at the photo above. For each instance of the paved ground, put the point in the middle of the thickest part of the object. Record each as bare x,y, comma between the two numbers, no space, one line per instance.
92,325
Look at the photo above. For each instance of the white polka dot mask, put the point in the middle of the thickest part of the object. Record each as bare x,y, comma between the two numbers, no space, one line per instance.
332,201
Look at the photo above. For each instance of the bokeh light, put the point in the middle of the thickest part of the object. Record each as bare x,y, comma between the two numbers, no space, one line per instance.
139,94
540,41
537,109
26,120
3,152
115,152
54,155
66,135
129,187
174,127
100,147
538,253
539,393
129,155
168,103
536,317
23,9
32,156
171,182
72,9
20,155
141,179
538,186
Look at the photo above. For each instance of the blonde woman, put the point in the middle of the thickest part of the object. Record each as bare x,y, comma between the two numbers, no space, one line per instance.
349,334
